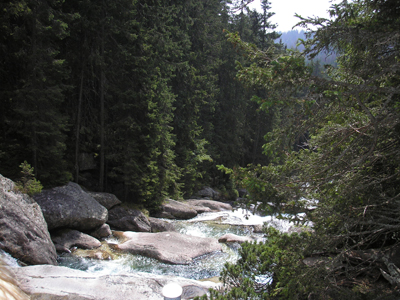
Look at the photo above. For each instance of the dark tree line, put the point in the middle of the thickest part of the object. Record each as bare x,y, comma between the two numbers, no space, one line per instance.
145,88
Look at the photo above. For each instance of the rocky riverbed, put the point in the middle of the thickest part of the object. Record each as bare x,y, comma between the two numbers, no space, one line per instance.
38,231
106,245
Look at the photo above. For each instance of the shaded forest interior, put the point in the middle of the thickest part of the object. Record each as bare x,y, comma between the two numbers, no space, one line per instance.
137,98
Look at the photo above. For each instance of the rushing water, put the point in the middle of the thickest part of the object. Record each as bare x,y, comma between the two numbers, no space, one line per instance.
204,225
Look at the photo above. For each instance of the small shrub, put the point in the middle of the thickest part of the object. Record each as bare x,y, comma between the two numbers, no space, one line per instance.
28,183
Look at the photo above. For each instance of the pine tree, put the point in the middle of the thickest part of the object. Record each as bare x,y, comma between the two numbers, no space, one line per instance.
349,163
239,125
34,127
195,85
141,154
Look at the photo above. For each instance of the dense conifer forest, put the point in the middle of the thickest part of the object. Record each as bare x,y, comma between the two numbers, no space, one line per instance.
142,91
154,99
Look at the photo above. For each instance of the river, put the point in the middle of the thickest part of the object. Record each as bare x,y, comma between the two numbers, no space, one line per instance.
204,225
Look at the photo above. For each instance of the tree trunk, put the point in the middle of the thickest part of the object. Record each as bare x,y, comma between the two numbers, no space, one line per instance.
102,79
256,139
77,133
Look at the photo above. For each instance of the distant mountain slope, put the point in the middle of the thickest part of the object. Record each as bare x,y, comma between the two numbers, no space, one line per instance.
290,39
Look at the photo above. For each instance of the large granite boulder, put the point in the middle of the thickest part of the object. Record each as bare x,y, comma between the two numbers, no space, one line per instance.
106,199
23,229
168,247
211,205
201,209
65,239
55,283
172,209
102,232
208,193
126,219
69,206
159,225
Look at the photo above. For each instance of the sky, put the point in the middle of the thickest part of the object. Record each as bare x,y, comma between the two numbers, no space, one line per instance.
285,9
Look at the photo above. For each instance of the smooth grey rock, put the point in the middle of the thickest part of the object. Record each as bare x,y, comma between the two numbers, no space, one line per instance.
126,219
173,209
210,204
61,283
168,247
191,291
102,232
65,239
70,207
23,229
158,225
208,193
201,209
106,199
233,238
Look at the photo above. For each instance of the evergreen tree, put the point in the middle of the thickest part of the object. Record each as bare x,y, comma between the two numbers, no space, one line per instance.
267,39
349,163
239,125
141,154
145,88
195,85
33,89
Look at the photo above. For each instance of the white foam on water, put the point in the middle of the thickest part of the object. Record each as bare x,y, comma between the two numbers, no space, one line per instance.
213,225
246,218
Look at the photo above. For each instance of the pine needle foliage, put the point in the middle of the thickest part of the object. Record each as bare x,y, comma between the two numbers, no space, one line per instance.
28,183
338,143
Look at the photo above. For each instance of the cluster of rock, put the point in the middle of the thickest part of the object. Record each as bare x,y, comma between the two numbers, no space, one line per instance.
79,219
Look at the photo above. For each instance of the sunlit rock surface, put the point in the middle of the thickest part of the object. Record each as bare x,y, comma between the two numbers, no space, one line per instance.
69,206
65,239
51,283
173,209
233,238
127,219
210,225
23,230
168,247
208,205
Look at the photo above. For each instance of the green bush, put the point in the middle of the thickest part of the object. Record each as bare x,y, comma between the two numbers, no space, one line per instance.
28,183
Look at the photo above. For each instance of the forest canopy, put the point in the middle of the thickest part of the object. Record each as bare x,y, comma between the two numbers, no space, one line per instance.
137,98
337,150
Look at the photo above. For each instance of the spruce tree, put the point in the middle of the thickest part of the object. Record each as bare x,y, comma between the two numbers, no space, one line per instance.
348,163
195,86
33,89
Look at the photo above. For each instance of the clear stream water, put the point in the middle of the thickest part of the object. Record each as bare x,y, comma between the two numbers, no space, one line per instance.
204,225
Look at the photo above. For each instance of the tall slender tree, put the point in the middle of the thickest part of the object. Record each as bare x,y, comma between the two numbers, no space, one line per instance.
35,123
348,165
